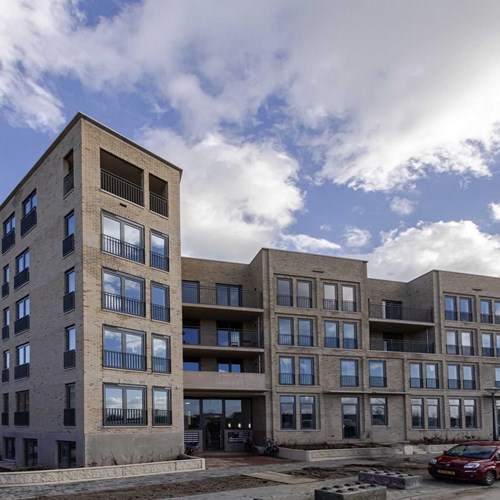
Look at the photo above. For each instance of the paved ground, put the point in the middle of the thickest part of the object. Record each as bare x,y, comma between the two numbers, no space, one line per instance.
224,465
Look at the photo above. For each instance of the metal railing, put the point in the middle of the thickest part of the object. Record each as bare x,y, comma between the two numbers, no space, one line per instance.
350,343
122,188
158,204
330,304
332,342
162,417
306,340
68,244
306,379
208,296
5,332
159,261
122,248
304,302
432,383
396,312
69,358
5,375
287,378
127,360
453,383
21,418
349,381
21,278
119,416
28,221
68,183
160,313
22,324
416,382
378,381
8,240
120,303
5,289
22,371
69,417
69,301
285,339
5,418
161,365
224,338
284,300
402,346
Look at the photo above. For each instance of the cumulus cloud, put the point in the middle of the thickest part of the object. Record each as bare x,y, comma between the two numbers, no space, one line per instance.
451,246
305,243
494,211
356,237
402,206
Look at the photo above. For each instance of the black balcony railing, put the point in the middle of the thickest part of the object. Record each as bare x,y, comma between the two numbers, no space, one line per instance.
68,183
68,245
416,382
330,304
122,188
160,313
127,360
28,221
22,371
450,315
287,378
5,332
306,379
5,375
5,289
8,240
69,417
158,204
349,381
22,418
486,318
452,349
453,383
469,384
119,416
161,365
332,342
466,316
122,248
488,351
349,306
22,324
69,301
284,300
306,340
304,302
285,339
159,261
398,312
69,358
378,381
467,350
119,303
402,346
350,343
162,417
223,337
21,278
5,418
432,383
208,296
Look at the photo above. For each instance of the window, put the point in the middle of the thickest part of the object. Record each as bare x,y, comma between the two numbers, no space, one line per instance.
22,322
452,342
285,331
22,368
159,251
350,417
70,404
450,308
161,354
287,412
459,342
497,376
191,365
469,379
123,349
230,366
5,366
348,298
160,302
466,407
158,195
330,300
162,406
306,371
486,311
70,346
378,408
331,333
68,181
467,344
453,377
123,293
5,323
304,294
66,452
5,280
122,238
433,414
9,233
455,413
124,405
350,334
29,213
191,332
392,309
431,376
69,290
416,380
465,309
417,413
22,415
285,297
22,269
377,373
307,412
287,373
458,308
228,295
305,327
487,344
190,292
68,244
349,373
5,410
470,413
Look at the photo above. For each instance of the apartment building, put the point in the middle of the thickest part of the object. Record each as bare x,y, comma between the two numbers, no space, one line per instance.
117,350
91,306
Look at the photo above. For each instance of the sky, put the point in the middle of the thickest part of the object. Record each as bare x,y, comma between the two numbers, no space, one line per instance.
352,128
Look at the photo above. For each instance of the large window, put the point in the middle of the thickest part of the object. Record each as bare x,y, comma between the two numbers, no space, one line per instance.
123,238
5,323
349,298
228,295
22,269
123,349
377,373
305,327
190,292
191,364
490,311
191,332
230,366
330,299
160,302
161,354
453,377
29,213
285,331
463,413
22,414
162,406
306,371
349,373
70,404
433,414
5,280
22,368
123,293
417,413
416,380
307,412
69,290
69,234
159,251
497,376
9,233
350,334
378,408
487,344
469,377
304,294
287,374
285,297
70,346
287,412
124,405
350,417
458,308
22,315
431,376
331,329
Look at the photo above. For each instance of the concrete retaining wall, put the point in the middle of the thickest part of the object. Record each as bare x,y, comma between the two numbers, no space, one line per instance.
315,455
108,472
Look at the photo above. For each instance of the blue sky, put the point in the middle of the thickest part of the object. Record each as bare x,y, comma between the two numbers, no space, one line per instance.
344,127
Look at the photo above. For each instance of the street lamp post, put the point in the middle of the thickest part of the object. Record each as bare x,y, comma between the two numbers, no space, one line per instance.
493,391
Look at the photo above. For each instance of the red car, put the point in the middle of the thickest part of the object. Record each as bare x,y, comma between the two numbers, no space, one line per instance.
472,461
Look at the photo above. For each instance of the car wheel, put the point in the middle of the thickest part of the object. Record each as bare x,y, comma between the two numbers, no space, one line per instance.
489,478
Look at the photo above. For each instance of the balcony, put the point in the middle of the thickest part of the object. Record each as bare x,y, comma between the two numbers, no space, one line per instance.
124,360
22,418
22,371
287,378
5,289
22,324
416,383
159,261
218,382
122,248
28,222
160,313
5,332
69,301
394,312
350,343
161,365
119,416
158,204
332,342
284,300
68,245
162,417
453,383
304,302
225,338
120,303
69,358
21,278
306,379
5,418
306,340
68,183
378,381
8,240
121,187
330,304
69,417
432,383
285,339
349,381
5,375
211,296
402,346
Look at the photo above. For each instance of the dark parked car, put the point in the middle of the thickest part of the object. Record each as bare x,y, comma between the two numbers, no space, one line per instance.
472,461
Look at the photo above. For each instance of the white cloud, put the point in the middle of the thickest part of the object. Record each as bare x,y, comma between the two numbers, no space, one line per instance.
402,206
356,237
451,246
305,243
495,211
326,227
